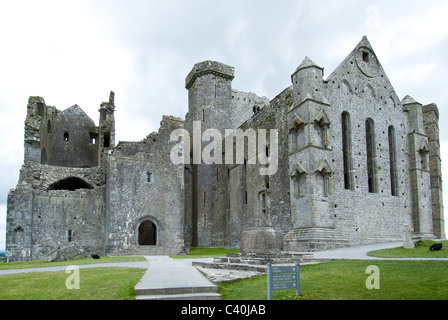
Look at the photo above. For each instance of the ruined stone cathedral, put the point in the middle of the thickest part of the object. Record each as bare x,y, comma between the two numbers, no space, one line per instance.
356,164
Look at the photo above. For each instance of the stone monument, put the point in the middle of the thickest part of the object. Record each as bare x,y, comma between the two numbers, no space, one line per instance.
261,238
409,244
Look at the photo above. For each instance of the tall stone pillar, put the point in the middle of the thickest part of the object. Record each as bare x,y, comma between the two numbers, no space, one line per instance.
431,126
419,171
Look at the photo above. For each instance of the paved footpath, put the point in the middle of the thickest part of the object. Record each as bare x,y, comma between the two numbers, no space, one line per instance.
170,279
360,252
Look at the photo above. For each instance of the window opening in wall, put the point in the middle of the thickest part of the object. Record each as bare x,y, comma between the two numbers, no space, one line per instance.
347,151
203,115
43,156
326,185
371,156
263,204
106,139
66,136
365,56
149,177
423,155
244,174
71,184
93,137
204,198
69,235
294,140
393,162
296,187
40,109
18,236
318,134
299,184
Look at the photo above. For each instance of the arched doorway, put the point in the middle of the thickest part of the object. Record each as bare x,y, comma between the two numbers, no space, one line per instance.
147,234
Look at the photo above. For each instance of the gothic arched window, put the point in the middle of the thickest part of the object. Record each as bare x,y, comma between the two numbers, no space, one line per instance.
371,156
393,162
347,151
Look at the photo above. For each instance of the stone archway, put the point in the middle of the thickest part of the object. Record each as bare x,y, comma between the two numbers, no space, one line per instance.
147,233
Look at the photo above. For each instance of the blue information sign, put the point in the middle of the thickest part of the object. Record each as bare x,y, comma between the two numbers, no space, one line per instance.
283,277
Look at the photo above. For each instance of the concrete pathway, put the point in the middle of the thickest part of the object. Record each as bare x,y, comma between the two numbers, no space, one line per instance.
174,279
360,252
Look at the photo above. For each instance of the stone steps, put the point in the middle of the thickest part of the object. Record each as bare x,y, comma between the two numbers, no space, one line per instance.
314,239
180,293
258,262
173,279
185,296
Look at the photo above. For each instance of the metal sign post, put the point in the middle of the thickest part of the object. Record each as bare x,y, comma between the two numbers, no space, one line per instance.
283,277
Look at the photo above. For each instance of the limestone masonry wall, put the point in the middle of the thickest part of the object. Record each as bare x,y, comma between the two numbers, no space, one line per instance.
354,164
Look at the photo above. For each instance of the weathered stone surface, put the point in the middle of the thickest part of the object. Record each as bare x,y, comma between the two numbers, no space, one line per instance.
261,240
355,165
66,252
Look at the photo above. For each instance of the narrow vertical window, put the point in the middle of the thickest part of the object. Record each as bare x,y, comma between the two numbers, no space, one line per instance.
393,162
244,173
93,137
326,185
371,156
149,177
66,136
69,235
325,140
106,141
296,187
294,140
347,151
423,156
19,236
299,184
263,204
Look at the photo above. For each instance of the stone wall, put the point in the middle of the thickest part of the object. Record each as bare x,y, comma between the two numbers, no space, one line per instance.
52,206
247,186
363,90
143,185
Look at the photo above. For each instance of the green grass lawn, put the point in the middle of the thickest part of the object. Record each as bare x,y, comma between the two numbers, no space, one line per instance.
206,253
346,280
421,250
95,284
333,280
80,261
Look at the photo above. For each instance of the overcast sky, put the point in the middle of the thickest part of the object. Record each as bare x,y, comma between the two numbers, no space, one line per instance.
75,52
